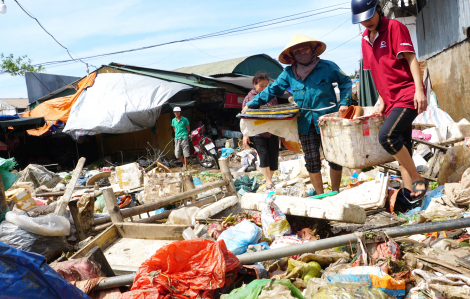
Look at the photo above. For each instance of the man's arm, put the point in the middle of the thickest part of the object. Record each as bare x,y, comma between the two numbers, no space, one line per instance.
420,98
187,129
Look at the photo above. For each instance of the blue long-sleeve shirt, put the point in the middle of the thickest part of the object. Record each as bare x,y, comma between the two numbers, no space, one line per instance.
316,92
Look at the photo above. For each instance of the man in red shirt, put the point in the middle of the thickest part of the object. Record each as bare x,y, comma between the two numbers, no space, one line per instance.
389,54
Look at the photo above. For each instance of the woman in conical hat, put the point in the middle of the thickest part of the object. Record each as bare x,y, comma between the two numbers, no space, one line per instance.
311,81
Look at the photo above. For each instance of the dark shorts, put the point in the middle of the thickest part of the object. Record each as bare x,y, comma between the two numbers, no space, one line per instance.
268,151
311,143
396,130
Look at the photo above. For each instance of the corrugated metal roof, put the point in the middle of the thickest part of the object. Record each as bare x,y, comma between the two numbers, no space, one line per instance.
18,103
236,65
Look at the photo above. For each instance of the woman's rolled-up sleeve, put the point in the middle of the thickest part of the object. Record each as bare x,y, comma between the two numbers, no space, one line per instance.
275,89
344,85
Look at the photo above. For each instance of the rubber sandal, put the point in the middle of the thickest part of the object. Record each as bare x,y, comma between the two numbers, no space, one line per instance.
422,195
270,187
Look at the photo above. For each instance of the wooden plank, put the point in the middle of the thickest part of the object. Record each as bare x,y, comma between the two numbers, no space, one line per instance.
391,167
151,231
227,176
112,206
64,201
434,260
76,220
433,162
103,240
97,255
437,165
431,144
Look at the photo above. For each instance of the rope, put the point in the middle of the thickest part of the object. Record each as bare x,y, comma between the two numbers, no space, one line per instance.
320,109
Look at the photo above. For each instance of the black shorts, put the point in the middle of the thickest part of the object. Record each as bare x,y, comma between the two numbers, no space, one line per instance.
396,130
268,151
311,143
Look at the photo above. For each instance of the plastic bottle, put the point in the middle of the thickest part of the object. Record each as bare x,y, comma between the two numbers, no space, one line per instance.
189,234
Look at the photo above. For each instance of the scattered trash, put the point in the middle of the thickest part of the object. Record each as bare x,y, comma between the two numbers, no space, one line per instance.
274,221
238,238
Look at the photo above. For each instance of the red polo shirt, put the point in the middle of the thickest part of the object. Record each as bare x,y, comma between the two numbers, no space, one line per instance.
389,68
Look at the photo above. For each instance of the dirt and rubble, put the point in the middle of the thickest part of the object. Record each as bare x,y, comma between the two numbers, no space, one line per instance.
130,231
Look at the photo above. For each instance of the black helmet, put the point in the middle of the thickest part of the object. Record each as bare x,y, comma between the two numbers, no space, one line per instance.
363,10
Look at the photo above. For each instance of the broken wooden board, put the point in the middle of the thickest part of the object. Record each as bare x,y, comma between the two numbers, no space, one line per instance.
126,255
374,221
434,260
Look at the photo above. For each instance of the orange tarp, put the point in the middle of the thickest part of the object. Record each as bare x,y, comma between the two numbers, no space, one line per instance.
57,109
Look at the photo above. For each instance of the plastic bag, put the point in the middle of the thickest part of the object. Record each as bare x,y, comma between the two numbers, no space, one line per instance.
49,225
314,286
185,269
247,184
49,247
8,178
238,237
183,216
39,175
350,290
27,275
278,291
273,220
79,269
254,289
99,204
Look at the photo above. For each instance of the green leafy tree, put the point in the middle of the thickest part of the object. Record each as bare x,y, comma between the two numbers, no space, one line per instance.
18,66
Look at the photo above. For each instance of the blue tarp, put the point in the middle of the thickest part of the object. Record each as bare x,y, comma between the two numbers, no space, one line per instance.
27,275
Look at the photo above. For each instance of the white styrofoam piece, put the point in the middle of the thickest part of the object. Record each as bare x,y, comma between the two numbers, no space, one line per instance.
217,207
307,207
369,195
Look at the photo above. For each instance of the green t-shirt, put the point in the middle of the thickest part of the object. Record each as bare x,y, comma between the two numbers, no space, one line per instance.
180,127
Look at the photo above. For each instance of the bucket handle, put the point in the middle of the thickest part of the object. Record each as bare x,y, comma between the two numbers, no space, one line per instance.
320,109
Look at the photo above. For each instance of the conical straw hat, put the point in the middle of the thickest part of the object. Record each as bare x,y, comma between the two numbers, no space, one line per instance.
317,46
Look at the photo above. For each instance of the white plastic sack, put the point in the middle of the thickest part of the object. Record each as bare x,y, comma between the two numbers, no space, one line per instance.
238,237
183,216
273,220
282,128
49,225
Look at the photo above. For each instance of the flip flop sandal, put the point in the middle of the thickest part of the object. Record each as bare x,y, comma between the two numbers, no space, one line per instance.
270,187
422,195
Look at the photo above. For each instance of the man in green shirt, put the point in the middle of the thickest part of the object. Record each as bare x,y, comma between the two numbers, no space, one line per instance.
181,126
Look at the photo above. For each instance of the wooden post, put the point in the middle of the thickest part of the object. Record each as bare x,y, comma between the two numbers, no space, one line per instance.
64,201
112,206
3,198
227,176
76,220
189,185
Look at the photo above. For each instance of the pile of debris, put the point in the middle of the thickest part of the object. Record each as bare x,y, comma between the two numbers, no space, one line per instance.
128,232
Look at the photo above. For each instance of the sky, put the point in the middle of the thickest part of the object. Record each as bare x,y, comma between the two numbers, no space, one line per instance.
89,28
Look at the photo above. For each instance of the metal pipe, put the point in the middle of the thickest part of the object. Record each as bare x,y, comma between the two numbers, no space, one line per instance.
343,240
116,281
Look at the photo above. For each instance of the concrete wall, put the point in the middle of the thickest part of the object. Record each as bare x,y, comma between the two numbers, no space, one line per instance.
450,77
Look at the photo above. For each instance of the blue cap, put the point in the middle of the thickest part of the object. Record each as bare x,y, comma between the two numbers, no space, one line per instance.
363,10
